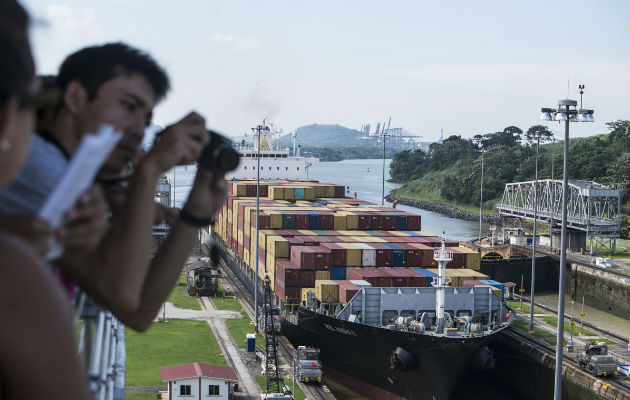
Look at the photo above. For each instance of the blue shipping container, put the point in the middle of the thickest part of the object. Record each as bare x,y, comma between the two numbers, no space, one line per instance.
430,275
402,222
399,255
314,221
495,284
299,193
338,273
250,342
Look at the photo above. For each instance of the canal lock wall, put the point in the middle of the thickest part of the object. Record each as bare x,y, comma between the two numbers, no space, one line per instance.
601,289
527,373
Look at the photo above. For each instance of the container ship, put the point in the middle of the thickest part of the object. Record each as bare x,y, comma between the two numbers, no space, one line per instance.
385,302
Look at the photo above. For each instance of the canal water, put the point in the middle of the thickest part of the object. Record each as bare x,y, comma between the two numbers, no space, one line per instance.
362,176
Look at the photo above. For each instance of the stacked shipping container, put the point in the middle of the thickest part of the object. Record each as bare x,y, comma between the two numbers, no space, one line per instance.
310,236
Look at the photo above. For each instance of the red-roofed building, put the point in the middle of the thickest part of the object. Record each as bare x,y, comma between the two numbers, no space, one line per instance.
198,381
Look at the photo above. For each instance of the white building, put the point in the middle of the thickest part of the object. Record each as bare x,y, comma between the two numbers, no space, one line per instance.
198,381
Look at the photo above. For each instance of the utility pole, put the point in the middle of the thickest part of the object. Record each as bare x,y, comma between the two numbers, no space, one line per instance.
481,200
384,136
533,284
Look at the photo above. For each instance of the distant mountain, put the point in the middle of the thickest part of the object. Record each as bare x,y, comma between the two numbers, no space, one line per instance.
323,135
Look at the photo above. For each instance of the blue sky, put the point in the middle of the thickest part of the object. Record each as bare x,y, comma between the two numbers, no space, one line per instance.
465,67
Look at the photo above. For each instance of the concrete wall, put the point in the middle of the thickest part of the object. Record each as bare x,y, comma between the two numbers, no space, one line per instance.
528,374
513,269
604,291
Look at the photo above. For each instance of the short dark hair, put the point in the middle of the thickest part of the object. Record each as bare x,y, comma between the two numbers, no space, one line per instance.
17,68
95,65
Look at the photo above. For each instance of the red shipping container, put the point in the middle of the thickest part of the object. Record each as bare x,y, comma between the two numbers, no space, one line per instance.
287,293
389,222
250,190
322,258
377,222
383,255
365,222
340,191
303,256
240,250
327,222
426,254
301,220
459,259
415,279
288,273
373,275
307,278
264,190
414,222
337,254
347,290
398,278
293,241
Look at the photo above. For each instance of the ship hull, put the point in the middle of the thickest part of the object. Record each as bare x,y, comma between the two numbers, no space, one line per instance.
364,352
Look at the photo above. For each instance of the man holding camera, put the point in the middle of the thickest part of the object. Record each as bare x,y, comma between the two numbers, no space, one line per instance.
118,85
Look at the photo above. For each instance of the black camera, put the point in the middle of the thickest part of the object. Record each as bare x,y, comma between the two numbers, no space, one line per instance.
219,155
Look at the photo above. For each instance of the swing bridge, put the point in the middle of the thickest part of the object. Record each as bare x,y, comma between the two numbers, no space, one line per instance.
593,210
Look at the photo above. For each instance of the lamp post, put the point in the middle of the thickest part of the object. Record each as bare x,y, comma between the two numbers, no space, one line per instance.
481,199
384,136
566,112
553,190
537,135
257,130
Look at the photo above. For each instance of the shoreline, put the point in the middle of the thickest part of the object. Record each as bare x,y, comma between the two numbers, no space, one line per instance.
444,209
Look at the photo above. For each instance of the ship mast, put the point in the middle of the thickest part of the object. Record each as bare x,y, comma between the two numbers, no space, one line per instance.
443,257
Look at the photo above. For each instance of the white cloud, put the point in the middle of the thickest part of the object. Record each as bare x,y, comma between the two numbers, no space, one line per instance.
241,42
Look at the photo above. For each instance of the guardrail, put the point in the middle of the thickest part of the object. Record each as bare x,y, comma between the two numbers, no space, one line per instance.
102,349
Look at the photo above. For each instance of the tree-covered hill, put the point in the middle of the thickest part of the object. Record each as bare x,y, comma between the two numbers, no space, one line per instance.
451,171
323,136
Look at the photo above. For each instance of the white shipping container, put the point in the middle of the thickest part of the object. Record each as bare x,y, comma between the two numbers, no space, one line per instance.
361,283
368,254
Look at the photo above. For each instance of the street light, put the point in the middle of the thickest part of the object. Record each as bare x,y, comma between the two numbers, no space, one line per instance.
481,196
257,130
384,136
566,112
537,135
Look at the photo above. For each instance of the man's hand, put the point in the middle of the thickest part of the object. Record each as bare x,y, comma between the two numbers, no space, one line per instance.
181,143
30,228
165,214
86,223
207,194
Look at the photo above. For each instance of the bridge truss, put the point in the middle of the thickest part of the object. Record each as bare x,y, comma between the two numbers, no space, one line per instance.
592,208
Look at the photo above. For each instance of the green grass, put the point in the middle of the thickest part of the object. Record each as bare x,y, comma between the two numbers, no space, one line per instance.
142,395
180,298
539,333
553,321
607,341
525,310
168,343
428,189
298,395
239,328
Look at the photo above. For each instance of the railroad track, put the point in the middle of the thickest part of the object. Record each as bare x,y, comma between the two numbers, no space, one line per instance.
619,382
606,334
286,349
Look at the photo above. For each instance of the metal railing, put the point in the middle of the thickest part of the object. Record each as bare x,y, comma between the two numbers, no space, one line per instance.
102,349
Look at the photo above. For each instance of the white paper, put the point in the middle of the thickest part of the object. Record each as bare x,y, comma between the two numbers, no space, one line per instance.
92,152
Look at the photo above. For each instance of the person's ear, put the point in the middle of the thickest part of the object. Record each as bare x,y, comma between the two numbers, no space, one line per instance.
75,97
7,114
